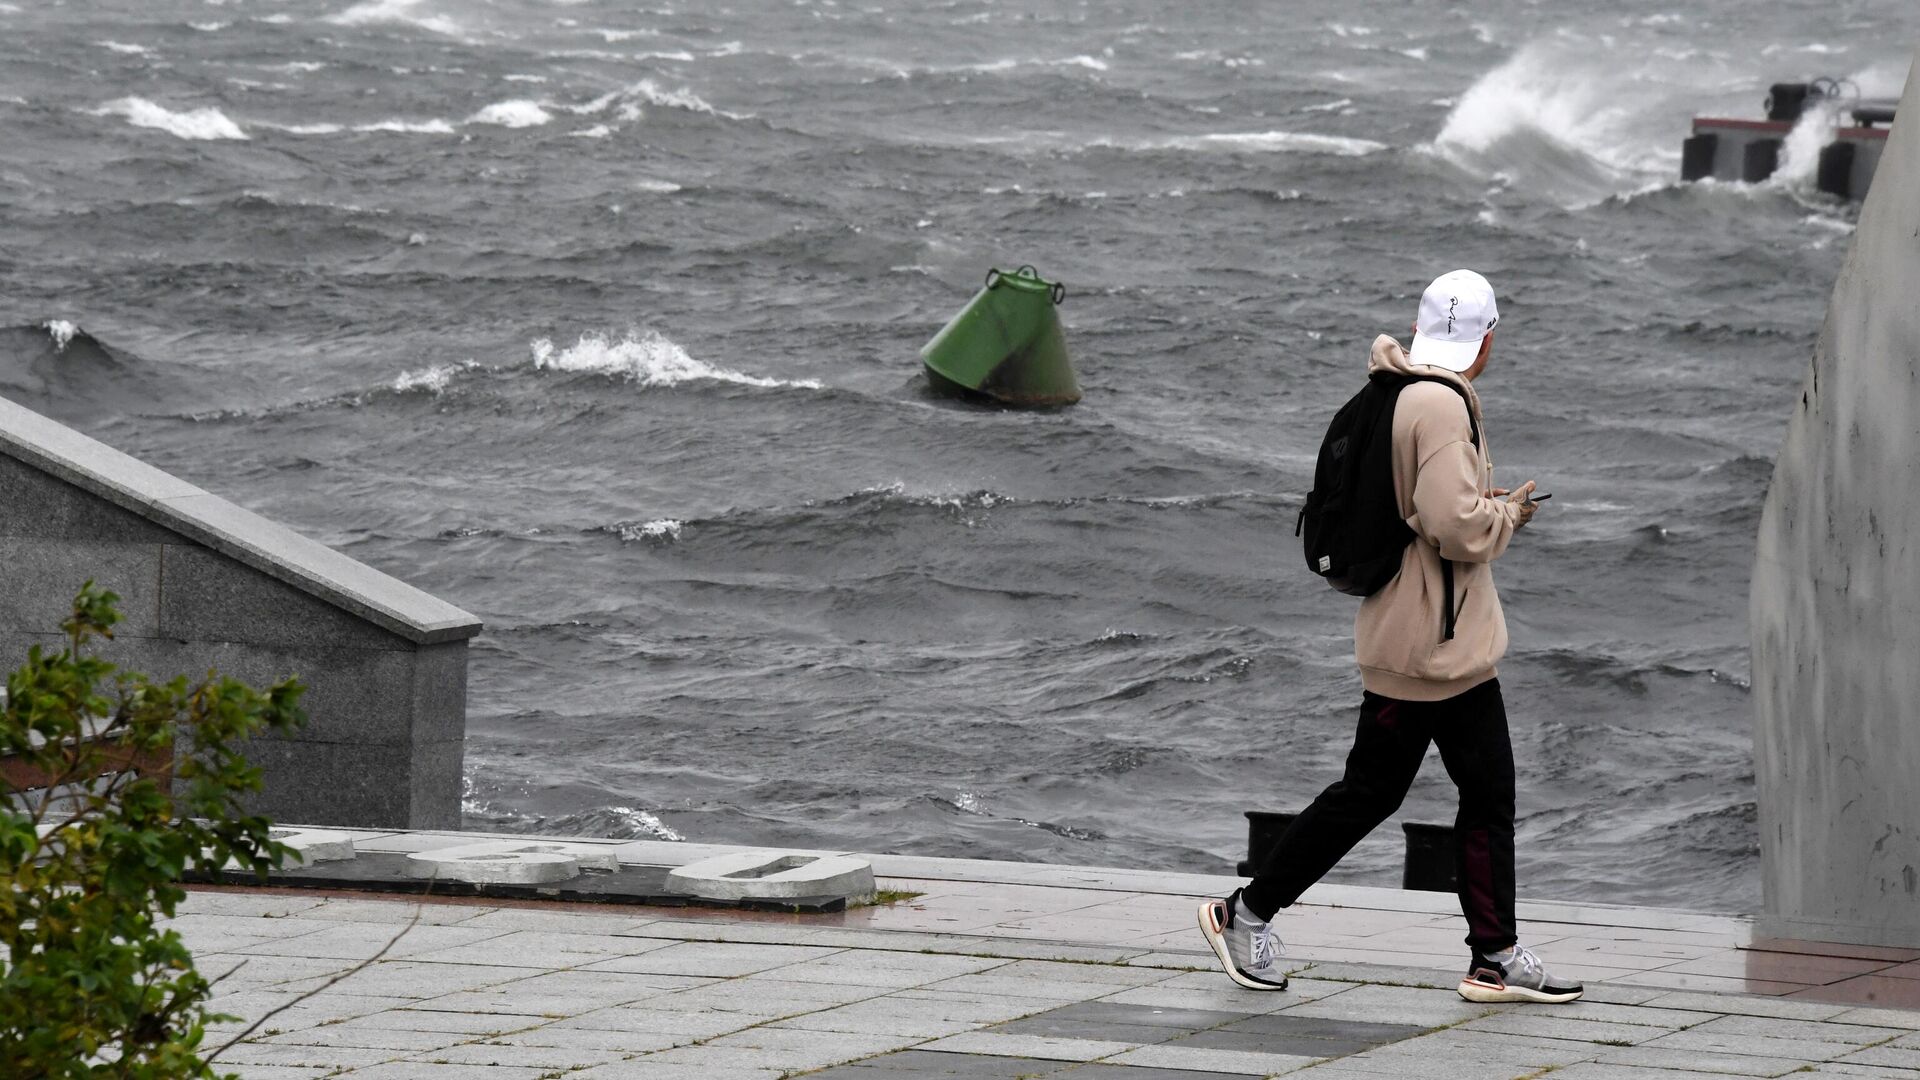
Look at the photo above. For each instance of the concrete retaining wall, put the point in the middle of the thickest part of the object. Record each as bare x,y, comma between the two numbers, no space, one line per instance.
205,584
1836,598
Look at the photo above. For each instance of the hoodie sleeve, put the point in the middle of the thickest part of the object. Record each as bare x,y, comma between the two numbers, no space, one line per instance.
1448,508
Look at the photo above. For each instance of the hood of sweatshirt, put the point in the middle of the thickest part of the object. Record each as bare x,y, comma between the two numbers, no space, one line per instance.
1388,355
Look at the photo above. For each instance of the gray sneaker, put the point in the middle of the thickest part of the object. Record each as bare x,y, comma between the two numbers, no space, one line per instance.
1246,946
1521,977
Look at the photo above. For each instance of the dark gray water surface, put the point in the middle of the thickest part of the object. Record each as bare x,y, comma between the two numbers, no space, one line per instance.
601,321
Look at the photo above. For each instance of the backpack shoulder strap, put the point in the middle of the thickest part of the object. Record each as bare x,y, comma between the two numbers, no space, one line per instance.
1473,422
1473,425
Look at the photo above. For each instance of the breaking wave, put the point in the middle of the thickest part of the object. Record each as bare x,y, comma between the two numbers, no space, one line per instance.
652,360
514,114
203,124
395,13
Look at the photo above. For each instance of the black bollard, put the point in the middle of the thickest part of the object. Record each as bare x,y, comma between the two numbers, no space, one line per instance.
1263,831
1430,861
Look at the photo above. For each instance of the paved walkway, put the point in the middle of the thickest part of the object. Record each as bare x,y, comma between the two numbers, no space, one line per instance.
1018,970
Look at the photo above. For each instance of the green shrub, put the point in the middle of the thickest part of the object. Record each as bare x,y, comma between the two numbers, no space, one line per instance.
90,984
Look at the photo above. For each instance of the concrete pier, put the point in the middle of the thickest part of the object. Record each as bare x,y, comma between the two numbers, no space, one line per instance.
1836,598
206,584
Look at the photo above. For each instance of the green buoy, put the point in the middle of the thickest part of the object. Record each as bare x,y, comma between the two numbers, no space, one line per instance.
1006,344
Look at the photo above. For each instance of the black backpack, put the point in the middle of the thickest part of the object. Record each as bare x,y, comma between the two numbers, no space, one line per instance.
1354,535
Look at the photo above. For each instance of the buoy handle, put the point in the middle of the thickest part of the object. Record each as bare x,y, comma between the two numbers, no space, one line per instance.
1056,290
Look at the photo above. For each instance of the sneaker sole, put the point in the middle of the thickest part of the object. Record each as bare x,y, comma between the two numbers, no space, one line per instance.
1215,934
1493,995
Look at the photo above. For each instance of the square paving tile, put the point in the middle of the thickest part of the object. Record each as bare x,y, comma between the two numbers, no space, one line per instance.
1113,1012
1369,1032
926,1065
1251,1042
1054,1026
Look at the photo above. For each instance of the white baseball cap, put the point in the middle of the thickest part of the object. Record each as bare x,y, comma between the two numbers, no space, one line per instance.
1456,312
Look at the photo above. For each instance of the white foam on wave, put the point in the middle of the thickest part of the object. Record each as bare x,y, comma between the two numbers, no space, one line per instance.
198,124
519,113
125,48
307,129
209,27
650,92
615,37
597,131
433,379
652,359
665,530
656,187
408,127
1307,142
62,333
395,13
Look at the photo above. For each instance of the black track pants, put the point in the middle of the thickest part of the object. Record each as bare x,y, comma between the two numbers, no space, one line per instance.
1471,731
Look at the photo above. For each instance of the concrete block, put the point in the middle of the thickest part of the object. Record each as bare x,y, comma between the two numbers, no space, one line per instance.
775,875
1835,593
316,845
35,505
439,706
318,569
207,596
363,784
42,577
493,868
589,856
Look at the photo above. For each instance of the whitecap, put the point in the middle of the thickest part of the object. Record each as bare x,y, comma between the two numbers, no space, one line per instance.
296,66
209,27
308,129
679,56
433,379
650,92
514,114
1330,106
208,123
651,359
525,78
123,47
1282,141
408,127
1091,63
394,12
1417,53
656,187
62,333
597,131
614,37
665,530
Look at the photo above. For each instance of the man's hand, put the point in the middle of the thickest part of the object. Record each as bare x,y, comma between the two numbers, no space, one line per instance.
1522,495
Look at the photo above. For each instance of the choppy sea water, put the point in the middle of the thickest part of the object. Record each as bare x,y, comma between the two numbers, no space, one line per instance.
601,321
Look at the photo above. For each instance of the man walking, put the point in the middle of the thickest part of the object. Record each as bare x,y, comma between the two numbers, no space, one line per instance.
1428,671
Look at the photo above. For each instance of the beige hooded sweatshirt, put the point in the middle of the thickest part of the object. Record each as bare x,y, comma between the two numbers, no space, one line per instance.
1439,477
